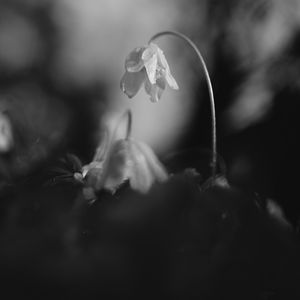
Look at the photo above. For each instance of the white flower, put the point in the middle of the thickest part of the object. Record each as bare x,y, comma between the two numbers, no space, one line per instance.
147,65
126,159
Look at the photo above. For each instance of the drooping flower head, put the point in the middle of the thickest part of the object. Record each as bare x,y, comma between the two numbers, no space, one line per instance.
147,65
127,159
120,160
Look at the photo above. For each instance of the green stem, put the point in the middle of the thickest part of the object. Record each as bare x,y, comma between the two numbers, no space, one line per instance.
210,90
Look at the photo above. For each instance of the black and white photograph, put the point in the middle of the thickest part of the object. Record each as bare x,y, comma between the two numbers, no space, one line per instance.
150,149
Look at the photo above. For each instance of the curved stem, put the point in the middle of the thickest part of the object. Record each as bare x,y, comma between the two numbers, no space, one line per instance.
210,90
129,124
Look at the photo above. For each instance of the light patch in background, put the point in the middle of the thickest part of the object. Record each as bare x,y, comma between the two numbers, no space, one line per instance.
259,33
158,124
39,124
19,41
261,30
6,134
276,212
98,35
252,104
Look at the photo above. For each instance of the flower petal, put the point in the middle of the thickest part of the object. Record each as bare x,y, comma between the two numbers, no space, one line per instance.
161,82
159,172
102,148
140,176
149,51
148,86
151,67
171,81
156,93
93,175
134,62
164,64
132,82
117,169
162,59
154,90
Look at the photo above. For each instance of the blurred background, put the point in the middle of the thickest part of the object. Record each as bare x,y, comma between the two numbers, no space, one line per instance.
61,63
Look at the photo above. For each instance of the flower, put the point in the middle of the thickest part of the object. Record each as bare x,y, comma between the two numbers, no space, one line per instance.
118,161
147,65
126,159
134,161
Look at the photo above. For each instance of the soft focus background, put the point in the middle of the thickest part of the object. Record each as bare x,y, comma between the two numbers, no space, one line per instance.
61,64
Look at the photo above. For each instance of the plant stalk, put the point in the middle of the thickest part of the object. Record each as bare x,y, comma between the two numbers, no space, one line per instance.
210,90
